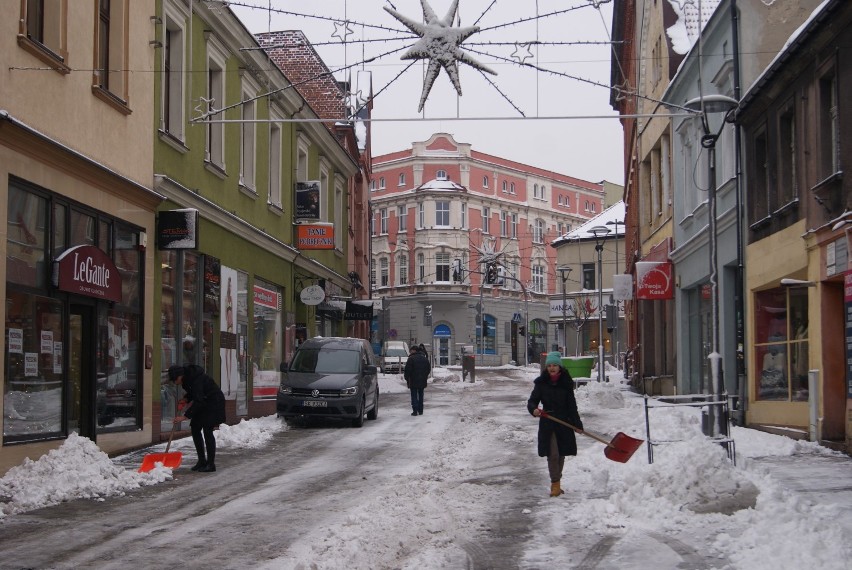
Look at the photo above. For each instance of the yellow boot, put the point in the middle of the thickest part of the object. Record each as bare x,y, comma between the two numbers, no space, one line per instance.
555,489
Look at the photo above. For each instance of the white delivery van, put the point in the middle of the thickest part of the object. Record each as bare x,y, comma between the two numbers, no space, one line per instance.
394,356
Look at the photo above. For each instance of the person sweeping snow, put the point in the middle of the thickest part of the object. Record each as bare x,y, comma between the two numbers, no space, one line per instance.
554,390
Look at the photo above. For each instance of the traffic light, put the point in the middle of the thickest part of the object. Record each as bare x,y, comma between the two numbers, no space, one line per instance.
478,312
428,310
522,331
611,317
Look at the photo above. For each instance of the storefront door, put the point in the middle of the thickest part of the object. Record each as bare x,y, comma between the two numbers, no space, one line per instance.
443,351
82,389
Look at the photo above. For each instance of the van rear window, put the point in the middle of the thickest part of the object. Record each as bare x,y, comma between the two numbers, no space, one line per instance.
326,361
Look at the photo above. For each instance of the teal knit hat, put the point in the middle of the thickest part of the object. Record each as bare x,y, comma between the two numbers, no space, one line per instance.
553,358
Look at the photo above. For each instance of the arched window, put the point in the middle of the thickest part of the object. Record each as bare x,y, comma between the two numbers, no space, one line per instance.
441,175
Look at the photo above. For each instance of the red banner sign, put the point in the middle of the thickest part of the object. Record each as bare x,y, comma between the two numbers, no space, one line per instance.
87,270
266,297
315,236
654,280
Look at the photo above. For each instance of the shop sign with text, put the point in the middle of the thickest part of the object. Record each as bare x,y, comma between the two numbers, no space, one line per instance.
315,236
87,270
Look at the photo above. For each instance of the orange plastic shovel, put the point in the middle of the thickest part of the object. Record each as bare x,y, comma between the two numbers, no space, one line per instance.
171,460
621,448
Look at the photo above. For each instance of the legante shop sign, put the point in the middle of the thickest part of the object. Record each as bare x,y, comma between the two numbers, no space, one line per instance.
87,270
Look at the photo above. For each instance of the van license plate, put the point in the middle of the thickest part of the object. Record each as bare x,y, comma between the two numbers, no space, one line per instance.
315,404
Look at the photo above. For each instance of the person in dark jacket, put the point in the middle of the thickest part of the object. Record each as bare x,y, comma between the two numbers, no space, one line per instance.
416,373
554,390
204,407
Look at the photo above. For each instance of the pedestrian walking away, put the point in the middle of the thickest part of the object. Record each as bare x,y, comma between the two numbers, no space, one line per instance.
204,407
553,390
416,374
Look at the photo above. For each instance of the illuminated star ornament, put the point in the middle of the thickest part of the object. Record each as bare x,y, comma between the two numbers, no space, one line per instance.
439,43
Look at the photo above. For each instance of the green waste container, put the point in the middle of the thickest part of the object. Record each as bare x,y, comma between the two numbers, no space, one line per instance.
578,366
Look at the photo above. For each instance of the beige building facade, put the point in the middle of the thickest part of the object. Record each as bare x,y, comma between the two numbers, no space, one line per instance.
75,189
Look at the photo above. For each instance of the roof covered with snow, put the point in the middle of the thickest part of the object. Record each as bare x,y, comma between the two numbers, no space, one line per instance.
691,20
607,218
442,184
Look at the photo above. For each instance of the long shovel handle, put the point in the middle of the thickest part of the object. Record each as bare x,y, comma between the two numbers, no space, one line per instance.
578,430
171,435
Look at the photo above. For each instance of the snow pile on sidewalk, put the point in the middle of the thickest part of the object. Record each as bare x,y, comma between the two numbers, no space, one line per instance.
253,433
692,493
77,469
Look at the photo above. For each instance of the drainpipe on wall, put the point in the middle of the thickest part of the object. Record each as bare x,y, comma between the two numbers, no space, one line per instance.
739,290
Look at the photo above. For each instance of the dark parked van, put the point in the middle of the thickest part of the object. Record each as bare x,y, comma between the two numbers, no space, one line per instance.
331,377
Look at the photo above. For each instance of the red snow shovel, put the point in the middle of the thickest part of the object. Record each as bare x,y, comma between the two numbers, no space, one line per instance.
171,460
620,449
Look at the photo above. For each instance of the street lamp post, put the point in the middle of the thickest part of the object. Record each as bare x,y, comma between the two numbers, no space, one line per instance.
600,233
564,272
706,105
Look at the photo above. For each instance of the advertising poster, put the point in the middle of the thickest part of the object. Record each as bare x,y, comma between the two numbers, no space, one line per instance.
47,342
16,341
57,358
308,200
31,364
230,378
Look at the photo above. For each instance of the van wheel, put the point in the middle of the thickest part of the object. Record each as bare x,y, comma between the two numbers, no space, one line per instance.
374,413
359,421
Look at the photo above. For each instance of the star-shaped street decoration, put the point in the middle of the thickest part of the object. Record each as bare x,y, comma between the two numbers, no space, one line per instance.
522,52
487,254
439,43
342,31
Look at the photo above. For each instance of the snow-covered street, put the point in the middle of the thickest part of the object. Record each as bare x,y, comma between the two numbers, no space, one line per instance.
459,487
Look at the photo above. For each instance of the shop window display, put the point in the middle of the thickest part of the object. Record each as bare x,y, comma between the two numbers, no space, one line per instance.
268,340
781,347
32,402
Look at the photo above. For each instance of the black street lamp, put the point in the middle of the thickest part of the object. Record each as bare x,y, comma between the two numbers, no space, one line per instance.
716,105
600,233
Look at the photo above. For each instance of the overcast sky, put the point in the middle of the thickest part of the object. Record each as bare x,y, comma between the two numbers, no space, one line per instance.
569,125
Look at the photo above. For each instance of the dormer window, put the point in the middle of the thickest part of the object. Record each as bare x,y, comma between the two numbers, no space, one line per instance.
441,175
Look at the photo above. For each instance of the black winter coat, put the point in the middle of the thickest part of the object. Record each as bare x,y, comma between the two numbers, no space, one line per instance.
205,400
417,370
558,401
